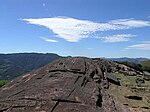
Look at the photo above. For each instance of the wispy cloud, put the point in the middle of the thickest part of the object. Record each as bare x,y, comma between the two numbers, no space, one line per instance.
131,23
117,38
143,46
74,30
48,40
90,48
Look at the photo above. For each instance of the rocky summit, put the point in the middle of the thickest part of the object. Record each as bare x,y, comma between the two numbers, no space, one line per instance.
65,85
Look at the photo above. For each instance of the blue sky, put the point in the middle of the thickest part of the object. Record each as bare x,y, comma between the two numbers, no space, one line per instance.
92,28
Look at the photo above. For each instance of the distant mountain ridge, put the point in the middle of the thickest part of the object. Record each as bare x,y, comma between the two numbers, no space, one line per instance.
16,64
13,65
134,60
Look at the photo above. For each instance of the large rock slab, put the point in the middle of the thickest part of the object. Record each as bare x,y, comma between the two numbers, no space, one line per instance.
65,85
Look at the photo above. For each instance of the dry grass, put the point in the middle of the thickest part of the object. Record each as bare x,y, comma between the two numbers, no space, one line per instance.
127,83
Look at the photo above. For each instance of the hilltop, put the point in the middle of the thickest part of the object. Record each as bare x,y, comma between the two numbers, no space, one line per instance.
72,84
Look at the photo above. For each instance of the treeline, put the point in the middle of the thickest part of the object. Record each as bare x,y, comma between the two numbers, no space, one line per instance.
146,65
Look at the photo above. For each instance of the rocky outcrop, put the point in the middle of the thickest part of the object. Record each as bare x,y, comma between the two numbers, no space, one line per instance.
65,85
121,68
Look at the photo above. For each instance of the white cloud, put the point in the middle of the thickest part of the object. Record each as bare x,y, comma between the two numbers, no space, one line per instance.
48,40
74,30
142,46
90,48
117,38
146,41
131,23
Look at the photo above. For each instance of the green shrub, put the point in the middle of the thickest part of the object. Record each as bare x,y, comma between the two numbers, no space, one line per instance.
3,82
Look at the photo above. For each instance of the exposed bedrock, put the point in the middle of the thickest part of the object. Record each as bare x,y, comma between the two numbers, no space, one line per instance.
65,85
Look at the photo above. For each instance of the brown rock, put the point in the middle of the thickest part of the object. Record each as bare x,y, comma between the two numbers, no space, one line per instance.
65,85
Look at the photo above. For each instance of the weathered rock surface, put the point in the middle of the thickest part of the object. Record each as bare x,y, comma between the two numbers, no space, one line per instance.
65,85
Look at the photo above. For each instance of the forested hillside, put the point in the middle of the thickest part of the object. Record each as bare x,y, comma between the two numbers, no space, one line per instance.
13,65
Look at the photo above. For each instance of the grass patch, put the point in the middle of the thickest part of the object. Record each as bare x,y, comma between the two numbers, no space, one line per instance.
127,83
126,80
